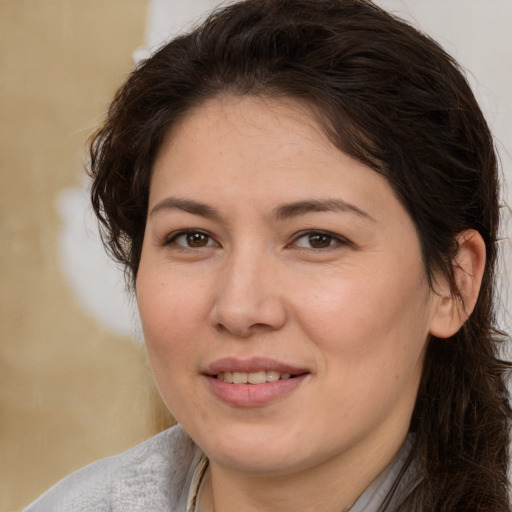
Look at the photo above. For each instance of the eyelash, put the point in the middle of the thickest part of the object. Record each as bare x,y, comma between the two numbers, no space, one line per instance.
333,240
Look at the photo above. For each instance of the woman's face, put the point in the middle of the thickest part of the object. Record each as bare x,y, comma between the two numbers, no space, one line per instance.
271,256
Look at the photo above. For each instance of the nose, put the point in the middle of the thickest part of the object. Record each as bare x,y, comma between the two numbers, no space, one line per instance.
248,298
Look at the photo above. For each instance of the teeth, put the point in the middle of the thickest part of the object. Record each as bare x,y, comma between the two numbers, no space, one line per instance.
253,377
257,377
239,378
272,376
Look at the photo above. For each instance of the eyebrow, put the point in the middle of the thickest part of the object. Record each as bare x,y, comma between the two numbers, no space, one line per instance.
187,205
298,208
280,213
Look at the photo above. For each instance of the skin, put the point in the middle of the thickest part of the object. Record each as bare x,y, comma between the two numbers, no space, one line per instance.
350,305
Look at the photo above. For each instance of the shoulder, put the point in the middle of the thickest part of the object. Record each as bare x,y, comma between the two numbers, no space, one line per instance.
150,477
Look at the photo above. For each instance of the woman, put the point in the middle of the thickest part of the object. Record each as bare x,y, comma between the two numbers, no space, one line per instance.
304,195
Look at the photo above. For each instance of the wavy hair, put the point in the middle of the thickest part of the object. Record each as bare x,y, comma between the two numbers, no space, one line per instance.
390,97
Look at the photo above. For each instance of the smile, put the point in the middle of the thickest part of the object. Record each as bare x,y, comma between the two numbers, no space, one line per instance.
252,378
253,382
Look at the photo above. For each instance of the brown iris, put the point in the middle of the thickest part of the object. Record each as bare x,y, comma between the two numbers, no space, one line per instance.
319,240
197,239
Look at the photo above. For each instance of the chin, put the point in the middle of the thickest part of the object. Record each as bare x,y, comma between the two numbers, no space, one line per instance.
258,454
268,461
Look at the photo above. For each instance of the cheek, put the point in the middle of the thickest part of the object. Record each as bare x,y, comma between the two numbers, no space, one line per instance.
370,322
171,312
167,302
371,344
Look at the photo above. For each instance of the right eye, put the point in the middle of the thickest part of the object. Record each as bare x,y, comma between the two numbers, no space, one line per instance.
191,239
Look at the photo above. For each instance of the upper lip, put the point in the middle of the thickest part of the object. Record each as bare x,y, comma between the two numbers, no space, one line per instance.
254,364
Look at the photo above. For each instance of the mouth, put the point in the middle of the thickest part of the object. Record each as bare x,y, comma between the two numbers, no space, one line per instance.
260,377
254,382
253,371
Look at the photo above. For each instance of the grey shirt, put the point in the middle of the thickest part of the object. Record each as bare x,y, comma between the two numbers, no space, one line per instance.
163,475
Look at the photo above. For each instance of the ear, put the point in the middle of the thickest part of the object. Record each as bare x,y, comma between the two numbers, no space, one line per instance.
451,311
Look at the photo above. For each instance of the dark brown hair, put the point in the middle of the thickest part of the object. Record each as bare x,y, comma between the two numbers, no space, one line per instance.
393,99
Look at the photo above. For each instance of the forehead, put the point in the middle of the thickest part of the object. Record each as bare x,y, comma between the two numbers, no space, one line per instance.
260,149
234,115
275,130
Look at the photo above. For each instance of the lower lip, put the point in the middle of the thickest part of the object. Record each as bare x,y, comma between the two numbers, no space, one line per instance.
252,395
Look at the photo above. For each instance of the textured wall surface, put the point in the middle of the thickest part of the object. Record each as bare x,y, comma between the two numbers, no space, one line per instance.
71,389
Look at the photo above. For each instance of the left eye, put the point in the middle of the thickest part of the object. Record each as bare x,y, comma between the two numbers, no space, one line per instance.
192,239
317,240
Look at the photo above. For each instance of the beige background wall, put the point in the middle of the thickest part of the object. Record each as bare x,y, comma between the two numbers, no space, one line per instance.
70,390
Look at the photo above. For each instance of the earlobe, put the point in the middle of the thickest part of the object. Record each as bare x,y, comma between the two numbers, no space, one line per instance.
452,310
